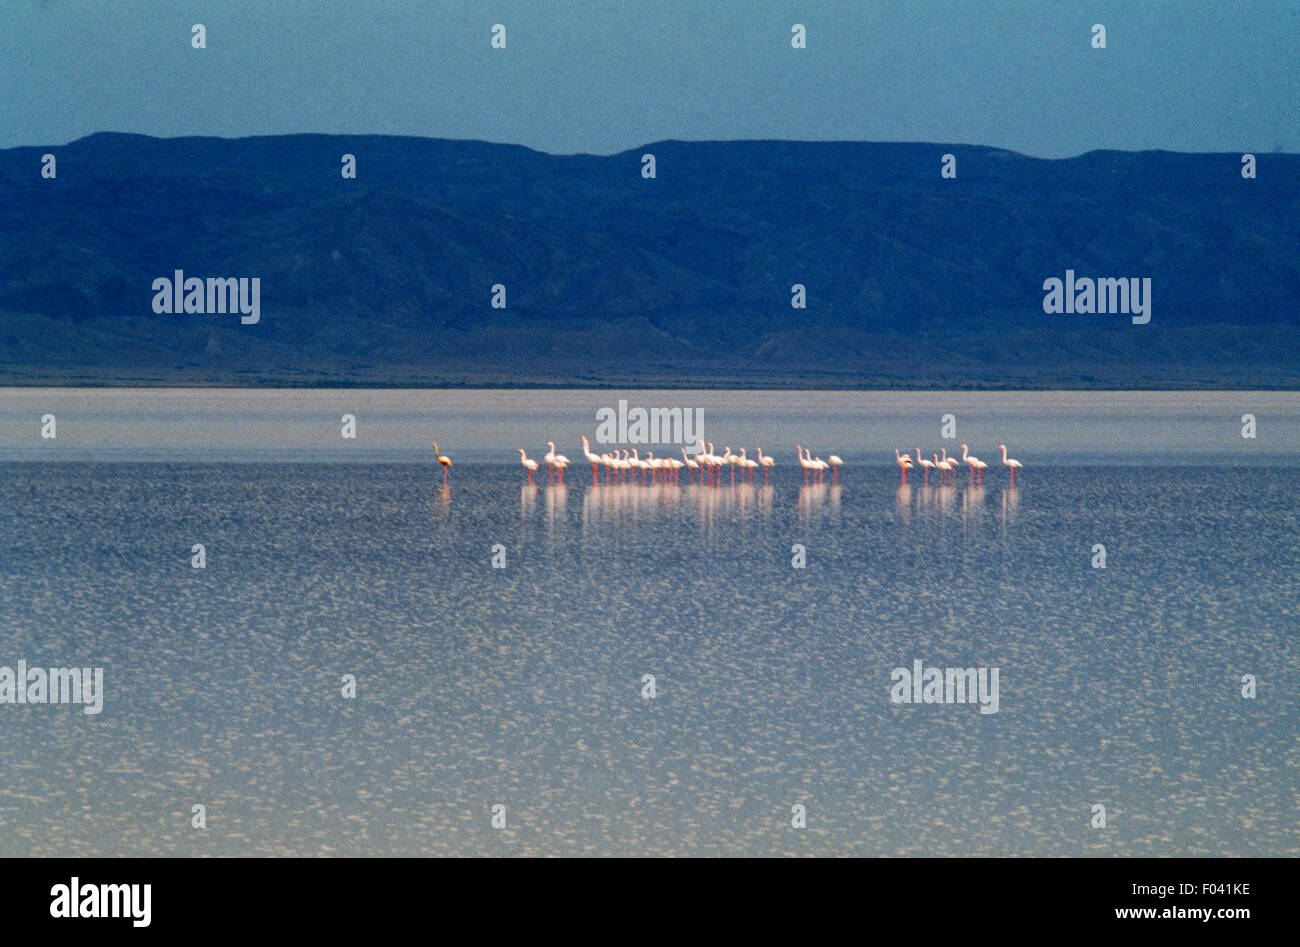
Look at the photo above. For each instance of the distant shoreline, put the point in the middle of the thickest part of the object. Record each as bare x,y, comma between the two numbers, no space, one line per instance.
139,384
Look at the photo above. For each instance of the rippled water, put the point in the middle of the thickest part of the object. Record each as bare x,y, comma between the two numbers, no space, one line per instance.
522,686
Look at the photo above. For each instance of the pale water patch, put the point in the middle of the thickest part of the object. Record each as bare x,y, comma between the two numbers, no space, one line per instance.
1042,429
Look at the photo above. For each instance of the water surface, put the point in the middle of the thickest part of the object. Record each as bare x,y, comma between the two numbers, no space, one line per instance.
522,686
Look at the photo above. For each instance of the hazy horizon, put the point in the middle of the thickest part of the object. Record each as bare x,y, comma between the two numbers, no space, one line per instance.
631,148
599,79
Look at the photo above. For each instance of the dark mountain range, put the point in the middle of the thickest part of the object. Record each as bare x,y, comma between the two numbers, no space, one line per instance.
912,280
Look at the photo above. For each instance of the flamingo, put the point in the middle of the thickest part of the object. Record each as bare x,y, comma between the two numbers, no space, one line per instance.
529,465
767,463
950,461
974,463
806,465
729,459
719,461
944,467
556,462
904,462
836,464
691,466
715,465
1011,462
591,459
746,465
445,461
641,466
926,465
814,465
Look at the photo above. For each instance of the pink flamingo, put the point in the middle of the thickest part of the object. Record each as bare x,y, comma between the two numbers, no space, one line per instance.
444,461
904,462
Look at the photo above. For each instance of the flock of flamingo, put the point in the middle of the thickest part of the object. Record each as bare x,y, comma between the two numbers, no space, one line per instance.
627,466
948,466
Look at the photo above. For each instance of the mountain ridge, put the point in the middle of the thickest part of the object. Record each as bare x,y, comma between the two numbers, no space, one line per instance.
611,279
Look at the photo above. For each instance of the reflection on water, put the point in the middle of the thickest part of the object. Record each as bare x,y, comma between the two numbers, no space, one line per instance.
629,501
814,496
479,685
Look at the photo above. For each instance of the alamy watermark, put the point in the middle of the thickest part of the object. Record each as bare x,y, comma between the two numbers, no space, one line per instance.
621,425
1084,295
38,685
179,294
103,900
932,685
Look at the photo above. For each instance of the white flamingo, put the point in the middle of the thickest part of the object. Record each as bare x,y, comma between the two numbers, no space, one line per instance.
529,465
947,468
805,464
836,464
621,465
926,465
555,462
729,459
1011,462
591,459
641,466
952,462
767,463
691,465
747,466
974,463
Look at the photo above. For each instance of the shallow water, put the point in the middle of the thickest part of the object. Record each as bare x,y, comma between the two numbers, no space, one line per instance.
1042,428
522,686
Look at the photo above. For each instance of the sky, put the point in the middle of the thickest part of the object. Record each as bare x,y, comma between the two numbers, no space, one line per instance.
602,77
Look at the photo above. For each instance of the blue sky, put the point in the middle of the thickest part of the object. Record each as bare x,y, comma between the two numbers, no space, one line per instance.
605,76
